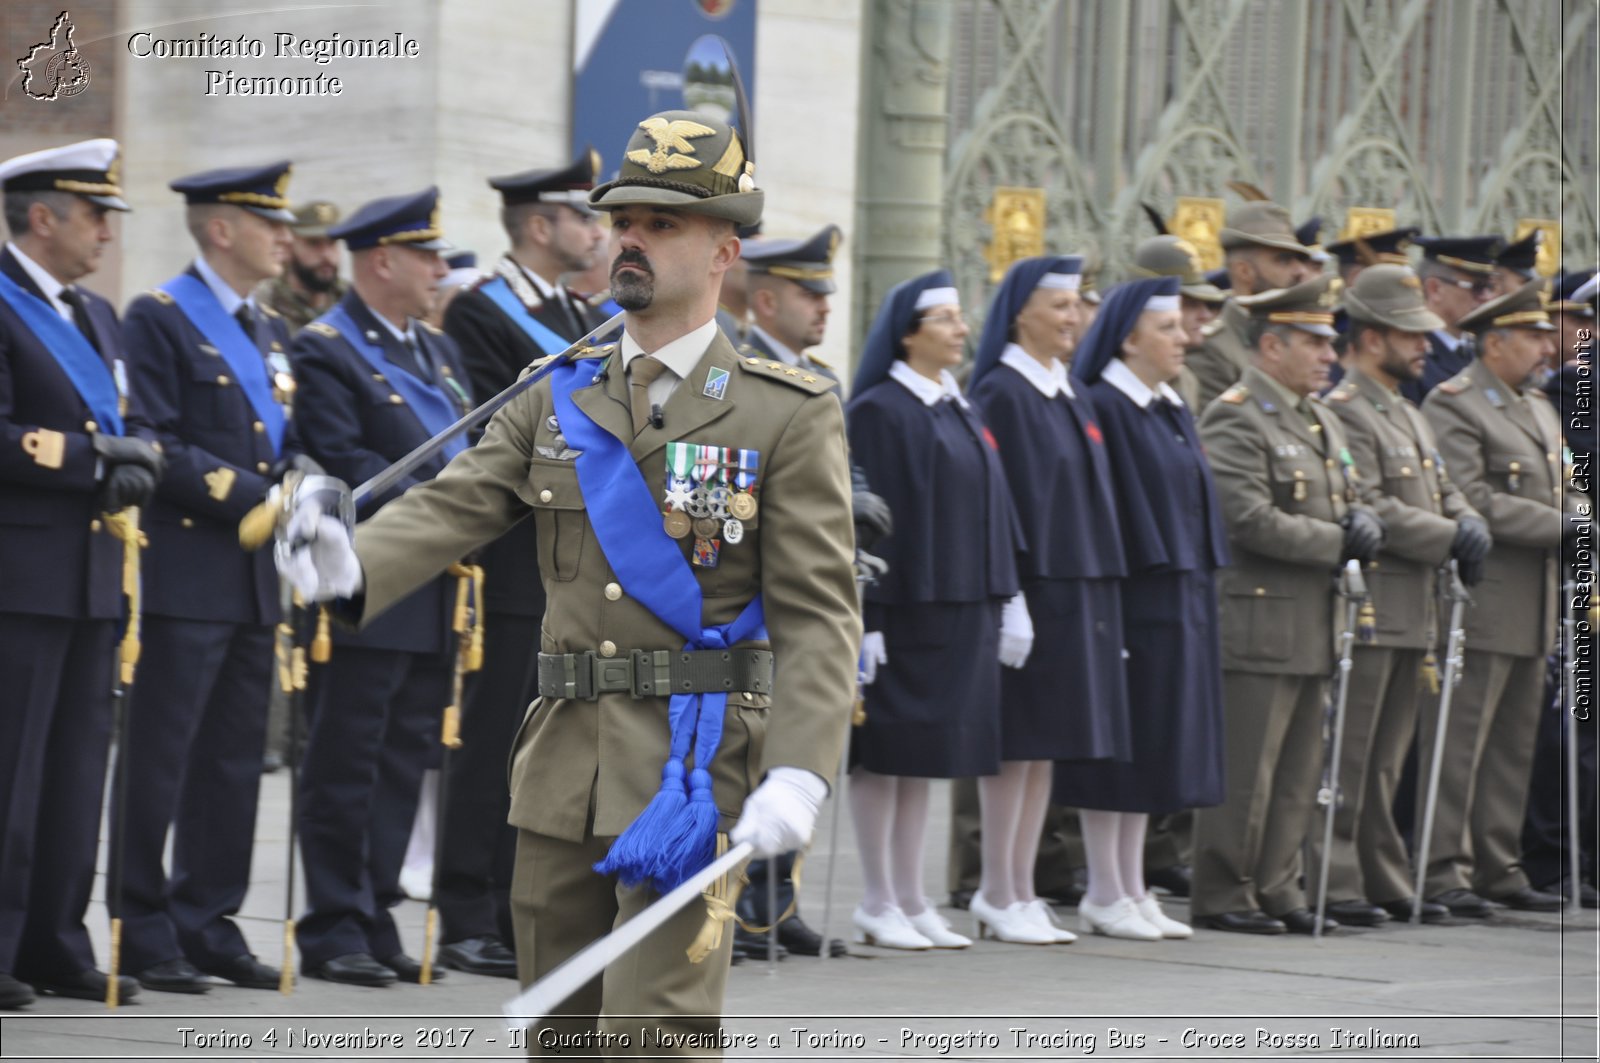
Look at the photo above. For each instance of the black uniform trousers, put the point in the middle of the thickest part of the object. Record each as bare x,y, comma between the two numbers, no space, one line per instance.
197,727
374,719
1546,855
478,850
55,731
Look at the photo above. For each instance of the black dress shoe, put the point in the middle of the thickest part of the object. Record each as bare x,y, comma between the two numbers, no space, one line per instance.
961,900
484,955
410,970
1400,911
1465,903
1304,921
355,968
85,985
753,947
1242,923
801,940
14,994
1174,879
1528,899
248,972
1358,913
174,976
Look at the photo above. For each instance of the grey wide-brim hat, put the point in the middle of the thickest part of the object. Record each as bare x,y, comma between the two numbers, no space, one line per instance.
1390,296
687,161
1261,223
1173,256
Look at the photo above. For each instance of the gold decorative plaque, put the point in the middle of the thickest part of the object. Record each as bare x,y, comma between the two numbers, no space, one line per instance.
1364,221
1017,216
1199,220
1549,257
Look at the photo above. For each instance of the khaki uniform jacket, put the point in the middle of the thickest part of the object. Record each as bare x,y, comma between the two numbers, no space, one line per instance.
797,552
1504,448
1220,361
1284,488
1395,449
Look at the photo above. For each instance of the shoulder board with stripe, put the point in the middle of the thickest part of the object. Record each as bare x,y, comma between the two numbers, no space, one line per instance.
1455,385
1234,395
788,374
160,296
322,328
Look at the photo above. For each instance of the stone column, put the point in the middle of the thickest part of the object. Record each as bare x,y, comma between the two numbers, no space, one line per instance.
900,213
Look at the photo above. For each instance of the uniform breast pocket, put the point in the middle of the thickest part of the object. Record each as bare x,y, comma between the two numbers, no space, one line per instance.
1295,480
1258,624
212,397
1517,473
551,489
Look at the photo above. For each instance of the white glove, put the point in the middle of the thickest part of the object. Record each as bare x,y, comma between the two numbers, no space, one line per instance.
873,653
1016,632
318,557
780,814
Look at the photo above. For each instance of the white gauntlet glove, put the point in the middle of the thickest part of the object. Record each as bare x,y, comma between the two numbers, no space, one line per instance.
780,814
1016,632
317,553
873,654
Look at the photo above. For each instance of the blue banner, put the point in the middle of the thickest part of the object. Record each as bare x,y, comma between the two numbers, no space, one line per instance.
501,295
432,406
78,359
200,305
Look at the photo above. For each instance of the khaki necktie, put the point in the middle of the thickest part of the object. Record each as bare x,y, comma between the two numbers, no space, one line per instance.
641,373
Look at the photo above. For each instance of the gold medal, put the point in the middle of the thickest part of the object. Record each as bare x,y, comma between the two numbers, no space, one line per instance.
742,505
677,524
707,528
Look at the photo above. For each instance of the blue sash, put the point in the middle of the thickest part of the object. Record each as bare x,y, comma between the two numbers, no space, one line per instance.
72,351
431,405
675,835
500,293
199,304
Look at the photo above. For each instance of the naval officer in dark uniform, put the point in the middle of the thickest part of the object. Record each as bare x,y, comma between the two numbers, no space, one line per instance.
516,315
211,367
375,382
65,462
1457,276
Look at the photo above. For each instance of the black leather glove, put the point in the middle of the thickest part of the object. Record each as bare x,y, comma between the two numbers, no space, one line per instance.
1363,536
129,450
129,484
1471,571
300,463
869,568
1472,541
873,519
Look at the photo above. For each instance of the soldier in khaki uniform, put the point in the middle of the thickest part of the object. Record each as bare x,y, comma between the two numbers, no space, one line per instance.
593,748
1289,493
310,285
1429,522
1502,443
1262,253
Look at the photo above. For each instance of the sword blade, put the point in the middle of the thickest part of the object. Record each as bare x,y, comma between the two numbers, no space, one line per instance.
539,999
468,421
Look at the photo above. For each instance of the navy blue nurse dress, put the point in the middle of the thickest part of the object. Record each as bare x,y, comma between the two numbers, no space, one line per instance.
1069,701
1174,540
932,711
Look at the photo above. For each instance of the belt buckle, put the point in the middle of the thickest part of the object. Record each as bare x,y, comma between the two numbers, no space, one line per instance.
612,675
652,673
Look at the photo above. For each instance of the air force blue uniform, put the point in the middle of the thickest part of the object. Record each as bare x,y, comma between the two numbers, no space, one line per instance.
376,706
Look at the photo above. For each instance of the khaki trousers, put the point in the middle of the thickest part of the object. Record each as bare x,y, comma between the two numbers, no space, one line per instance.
1483,782
649,995
1368,860
1247,850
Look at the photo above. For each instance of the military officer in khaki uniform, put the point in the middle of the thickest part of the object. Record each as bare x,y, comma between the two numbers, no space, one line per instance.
595,746
1262,253
310,286
1429,522
1290,494
1501,442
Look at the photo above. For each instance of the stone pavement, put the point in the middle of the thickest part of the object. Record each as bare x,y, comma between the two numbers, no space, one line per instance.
1514,987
